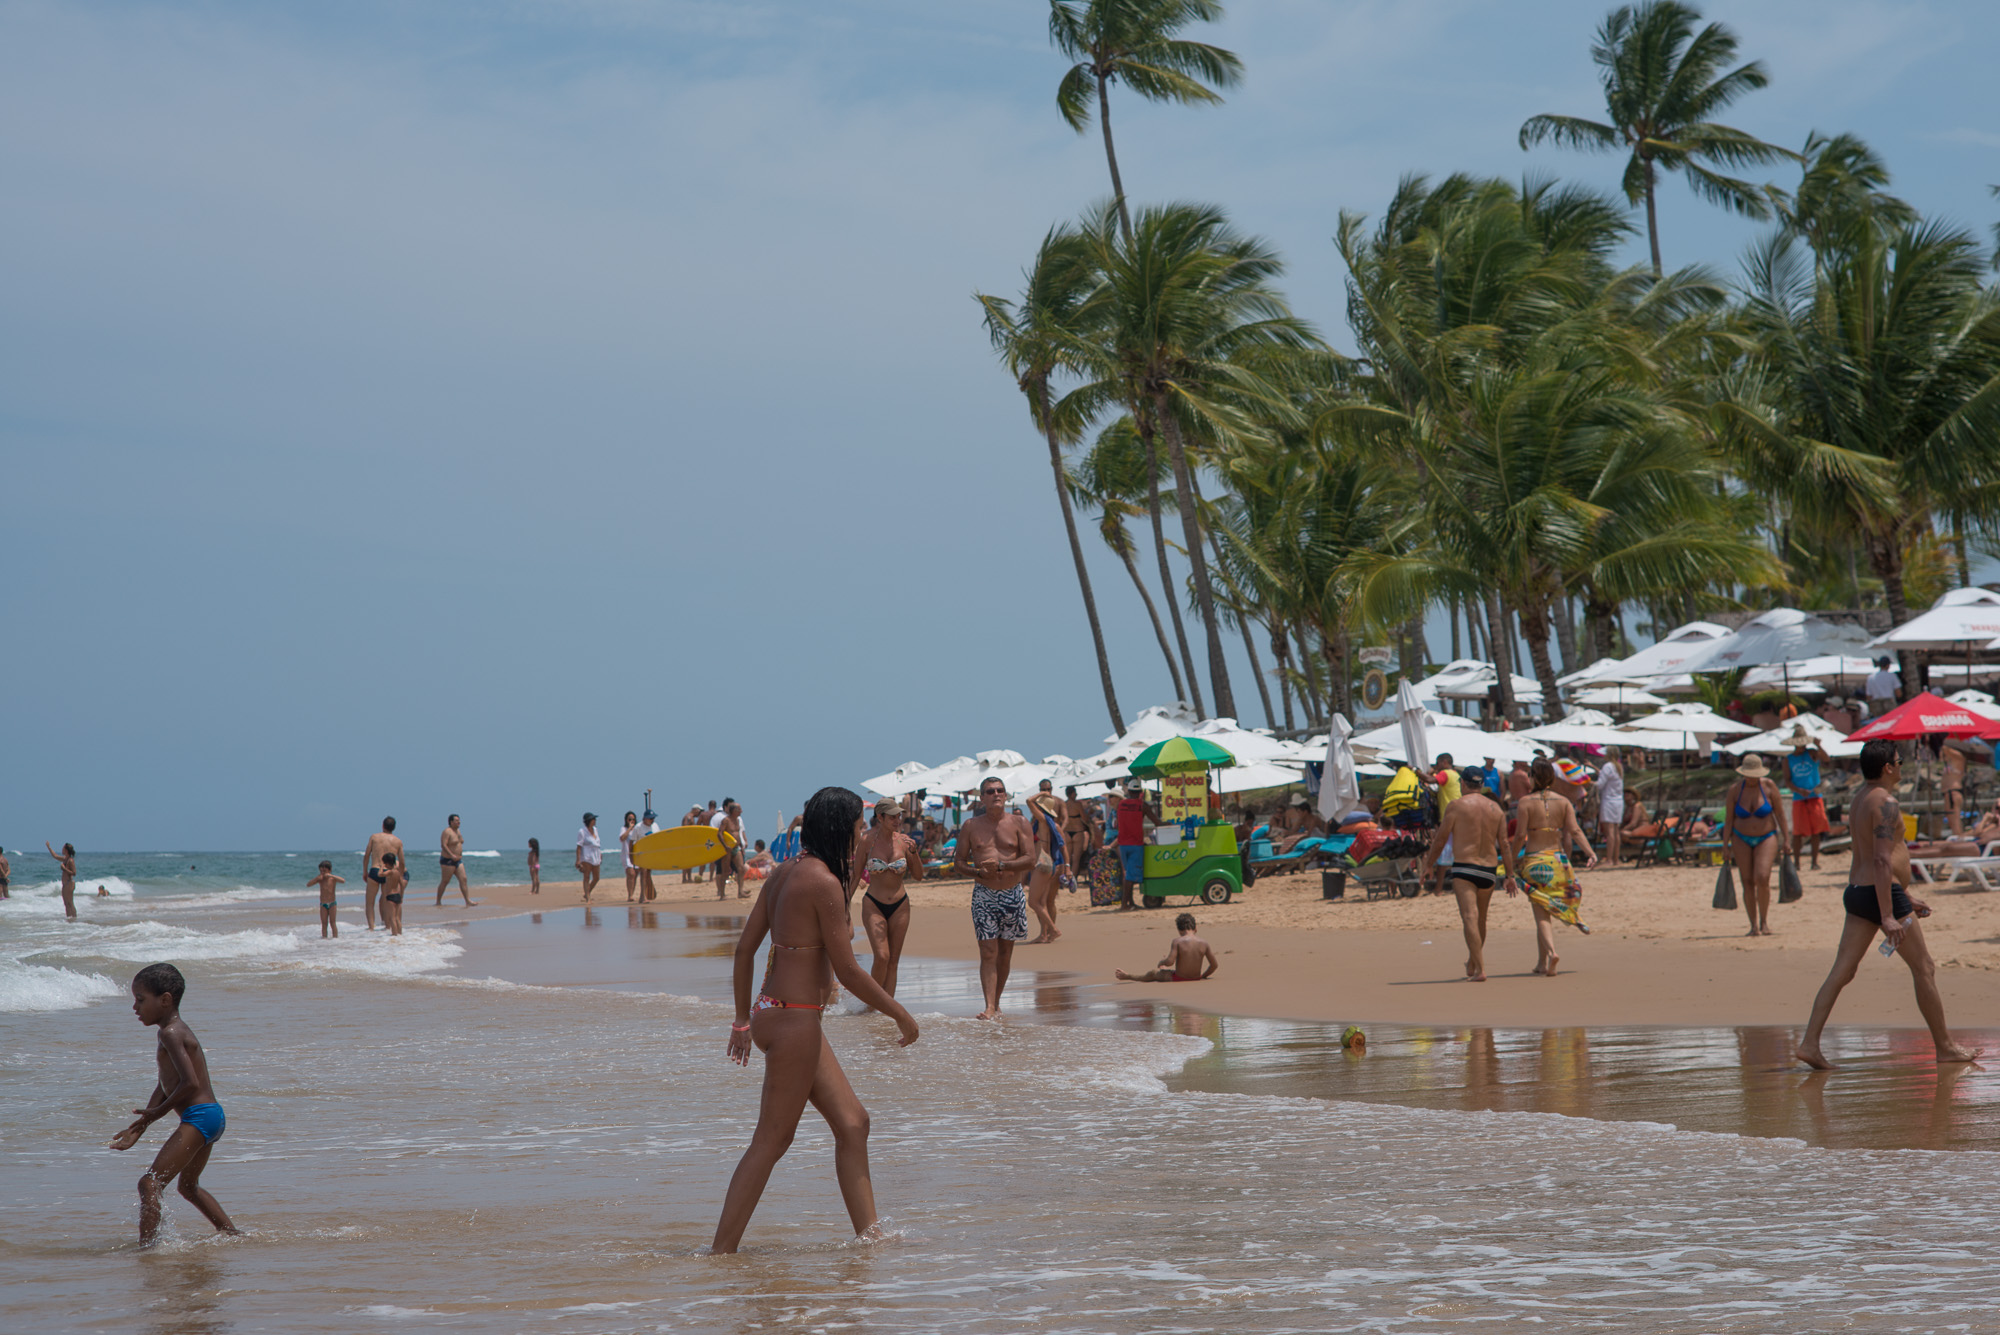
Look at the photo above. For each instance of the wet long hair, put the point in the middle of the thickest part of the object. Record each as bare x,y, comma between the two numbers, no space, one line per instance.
827,830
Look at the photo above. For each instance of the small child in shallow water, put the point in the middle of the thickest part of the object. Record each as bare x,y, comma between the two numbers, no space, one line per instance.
325,882
1189,959
182,1087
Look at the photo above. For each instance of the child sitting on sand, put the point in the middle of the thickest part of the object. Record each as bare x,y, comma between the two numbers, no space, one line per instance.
1189,959
182,1087
325,881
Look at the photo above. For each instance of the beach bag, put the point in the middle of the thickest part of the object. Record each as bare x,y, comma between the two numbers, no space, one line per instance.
1725,888
1790,890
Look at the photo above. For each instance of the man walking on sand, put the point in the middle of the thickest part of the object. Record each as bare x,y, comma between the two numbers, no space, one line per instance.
997,849
731,862
375,870
451,862
1474,829
1876,902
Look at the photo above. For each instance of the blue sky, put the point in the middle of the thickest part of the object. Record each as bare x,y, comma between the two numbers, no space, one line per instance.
506,408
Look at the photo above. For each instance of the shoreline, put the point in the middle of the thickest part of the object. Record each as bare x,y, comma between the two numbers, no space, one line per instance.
1658,955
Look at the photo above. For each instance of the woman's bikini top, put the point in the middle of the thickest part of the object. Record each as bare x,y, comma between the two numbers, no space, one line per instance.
1543,807
878,865
1760,812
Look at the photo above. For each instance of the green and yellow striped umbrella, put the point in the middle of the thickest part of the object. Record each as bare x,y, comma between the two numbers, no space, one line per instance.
1179,755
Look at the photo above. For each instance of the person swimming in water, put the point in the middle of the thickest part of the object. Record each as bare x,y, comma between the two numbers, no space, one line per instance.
803,908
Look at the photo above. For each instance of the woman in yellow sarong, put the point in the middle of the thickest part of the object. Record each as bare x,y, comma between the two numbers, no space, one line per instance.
1545,828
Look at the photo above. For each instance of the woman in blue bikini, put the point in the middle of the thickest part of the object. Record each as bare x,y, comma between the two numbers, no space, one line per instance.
1752,818
803,909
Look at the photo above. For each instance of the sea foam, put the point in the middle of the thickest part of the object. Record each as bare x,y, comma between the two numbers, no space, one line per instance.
37,987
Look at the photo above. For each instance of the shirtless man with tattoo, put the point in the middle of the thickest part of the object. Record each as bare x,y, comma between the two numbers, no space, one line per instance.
1877,901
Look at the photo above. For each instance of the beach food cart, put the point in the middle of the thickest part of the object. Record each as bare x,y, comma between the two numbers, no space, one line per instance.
1193,853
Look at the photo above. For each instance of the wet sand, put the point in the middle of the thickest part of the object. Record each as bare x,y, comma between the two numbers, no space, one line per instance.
1658,954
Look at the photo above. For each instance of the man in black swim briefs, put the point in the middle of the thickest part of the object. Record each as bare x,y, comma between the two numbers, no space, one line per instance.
451,862
1474,829
379,847
1876,901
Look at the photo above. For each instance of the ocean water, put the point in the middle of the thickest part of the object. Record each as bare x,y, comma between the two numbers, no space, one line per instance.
526,1124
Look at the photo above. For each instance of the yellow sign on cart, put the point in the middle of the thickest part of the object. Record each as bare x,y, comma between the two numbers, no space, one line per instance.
1184,796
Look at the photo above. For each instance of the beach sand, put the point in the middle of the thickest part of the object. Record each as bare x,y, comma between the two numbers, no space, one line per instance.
1657,954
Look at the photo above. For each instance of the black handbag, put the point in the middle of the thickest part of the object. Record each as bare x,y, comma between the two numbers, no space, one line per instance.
1790,888
1725,887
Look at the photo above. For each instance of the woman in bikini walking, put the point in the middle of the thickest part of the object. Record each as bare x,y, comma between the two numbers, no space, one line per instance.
1751,817
803,909
1546,827
893,859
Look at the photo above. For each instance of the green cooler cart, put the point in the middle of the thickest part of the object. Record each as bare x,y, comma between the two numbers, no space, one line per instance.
1205,862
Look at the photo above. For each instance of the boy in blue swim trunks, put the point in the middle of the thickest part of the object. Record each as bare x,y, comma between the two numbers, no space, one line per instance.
183,1087
324,883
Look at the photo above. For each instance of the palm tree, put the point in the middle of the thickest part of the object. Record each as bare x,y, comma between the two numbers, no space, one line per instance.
1112,477
1133,41
1662,82
1875,405
1032,337
1190,324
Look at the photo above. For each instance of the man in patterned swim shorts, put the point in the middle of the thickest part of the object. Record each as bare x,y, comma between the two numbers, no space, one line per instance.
997,849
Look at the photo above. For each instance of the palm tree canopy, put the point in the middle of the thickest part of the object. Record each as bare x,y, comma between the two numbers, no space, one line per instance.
1133,42
1664,82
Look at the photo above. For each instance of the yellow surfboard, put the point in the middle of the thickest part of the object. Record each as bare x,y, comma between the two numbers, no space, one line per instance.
681,847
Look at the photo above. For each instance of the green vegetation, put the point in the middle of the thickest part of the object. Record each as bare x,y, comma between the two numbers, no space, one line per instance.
1537,440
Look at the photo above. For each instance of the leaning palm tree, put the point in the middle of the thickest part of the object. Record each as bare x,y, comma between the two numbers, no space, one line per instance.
1032,337
1112,479
1189,324
1133,41
1663,81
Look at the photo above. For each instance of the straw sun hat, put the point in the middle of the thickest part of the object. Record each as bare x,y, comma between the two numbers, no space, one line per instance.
1799,737
1753,767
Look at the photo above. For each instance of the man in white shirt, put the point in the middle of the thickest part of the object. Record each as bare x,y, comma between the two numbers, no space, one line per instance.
1882,686
650,825
589,854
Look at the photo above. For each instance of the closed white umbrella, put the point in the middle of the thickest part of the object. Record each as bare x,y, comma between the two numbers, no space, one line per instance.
1410,716
1339,786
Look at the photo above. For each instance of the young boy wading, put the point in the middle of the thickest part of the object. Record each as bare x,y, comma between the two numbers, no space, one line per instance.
183,1087
1876,902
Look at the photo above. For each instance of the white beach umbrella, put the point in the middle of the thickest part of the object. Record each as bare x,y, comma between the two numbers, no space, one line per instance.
1839,671
1618,697
1246,744
1256,774
1960,621
1671,654
1339,787
1778,740
1979,702
1470,679
1155,723
968,772
1781,635
1683,728
1461,737
1604,672
1410,716
899,780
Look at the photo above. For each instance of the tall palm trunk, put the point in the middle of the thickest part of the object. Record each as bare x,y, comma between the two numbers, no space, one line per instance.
1565,633
1652,217
1335,650
1312,695
1451,617
1124,549
1503,657
1281,651
1243,625
1885,553
1598,621
1204,593
1076,555
1535,627
1150,434
1111,156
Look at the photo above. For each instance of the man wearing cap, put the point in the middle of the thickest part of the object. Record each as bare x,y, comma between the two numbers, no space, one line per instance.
1808,806
649,824
1881,687
1610,805
1132,818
